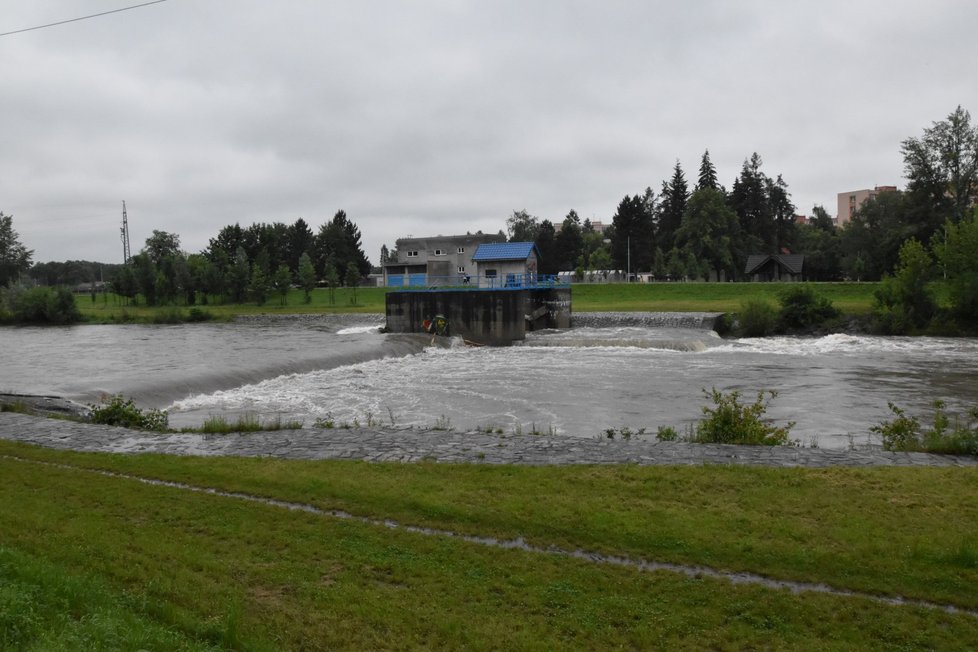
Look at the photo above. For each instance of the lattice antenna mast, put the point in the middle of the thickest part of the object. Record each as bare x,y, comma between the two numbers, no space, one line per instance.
125,235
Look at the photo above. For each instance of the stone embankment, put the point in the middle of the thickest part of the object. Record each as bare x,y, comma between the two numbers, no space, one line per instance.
385,445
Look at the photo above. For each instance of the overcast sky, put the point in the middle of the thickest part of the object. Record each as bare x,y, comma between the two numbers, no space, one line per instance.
440,117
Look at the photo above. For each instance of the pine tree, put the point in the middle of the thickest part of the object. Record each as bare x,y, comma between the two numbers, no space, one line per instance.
672,206
708,174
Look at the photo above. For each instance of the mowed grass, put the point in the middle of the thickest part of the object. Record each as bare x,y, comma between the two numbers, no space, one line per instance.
851,298
209,570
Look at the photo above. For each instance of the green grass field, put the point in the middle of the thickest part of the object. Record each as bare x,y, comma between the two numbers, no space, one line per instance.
852,298
171,569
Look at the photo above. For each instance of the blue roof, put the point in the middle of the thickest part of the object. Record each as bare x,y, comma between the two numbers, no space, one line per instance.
504,251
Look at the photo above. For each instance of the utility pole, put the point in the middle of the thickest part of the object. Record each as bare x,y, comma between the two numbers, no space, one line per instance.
125,235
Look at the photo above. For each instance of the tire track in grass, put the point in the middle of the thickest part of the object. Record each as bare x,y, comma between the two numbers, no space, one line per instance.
519,543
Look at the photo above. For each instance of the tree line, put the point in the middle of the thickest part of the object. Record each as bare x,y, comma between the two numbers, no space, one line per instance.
241,264
708,231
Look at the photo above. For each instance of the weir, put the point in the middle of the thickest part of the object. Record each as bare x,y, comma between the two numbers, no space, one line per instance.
496,317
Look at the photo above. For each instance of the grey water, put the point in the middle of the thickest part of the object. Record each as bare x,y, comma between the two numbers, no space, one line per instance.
578,382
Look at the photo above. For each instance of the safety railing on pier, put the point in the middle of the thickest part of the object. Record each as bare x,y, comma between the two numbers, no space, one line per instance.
424,282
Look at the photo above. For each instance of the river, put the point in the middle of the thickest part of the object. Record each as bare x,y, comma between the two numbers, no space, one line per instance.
578,382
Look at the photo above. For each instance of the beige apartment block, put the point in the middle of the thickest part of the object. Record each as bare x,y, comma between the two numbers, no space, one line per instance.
849,202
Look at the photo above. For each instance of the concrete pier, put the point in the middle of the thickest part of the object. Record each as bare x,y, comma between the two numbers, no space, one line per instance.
496,317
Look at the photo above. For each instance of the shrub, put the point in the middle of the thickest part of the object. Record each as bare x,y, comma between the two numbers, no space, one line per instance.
904,301
730,422
946,436
802,307
757,318
198,315
666,433
117,411
43,305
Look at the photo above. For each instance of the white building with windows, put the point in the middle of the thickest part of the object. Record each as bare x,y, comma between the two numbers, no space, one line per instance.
435,261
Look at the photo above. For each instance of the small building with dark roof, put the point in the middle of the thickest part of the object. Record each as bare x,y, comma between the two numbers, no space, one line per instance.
506,264
775,267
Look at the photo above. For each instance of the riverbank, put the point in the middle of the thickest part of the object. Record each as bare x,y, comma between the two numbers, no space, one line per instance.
851,298
181,552
377,444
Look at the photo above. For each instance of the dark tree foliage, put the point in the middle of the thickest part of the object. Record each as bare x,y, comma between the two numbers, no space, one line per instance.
672,206
709,232
226,242
749,199
299,239
145,271
546,242
819,241
783,214
942,169
15,259
708,174
870,243
569,246
632,236
162,245
522,227
338,242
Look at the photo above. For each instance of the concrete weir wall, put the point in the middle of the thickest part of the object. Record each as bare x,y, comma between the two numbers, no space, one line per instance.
493,317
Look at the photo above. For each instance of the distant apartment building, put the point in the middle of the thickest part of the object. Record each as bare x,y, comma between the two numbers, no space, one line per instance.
849,202
436,260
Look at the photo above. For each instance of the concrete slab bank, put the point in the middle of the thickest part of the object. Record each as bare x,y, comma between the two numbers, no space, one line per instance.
440,446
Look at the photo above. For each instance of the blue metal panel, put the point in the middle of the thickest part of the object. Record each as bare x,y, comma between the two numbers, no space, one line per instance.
504,251
395,280
415,280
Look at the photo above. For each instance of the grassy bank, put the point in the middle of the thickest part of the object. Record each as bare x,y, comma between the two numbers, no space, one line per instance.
852,298
210,570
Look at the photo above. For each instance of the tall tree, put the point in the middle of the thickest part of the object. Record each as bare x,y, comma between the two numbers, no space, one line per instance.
299,240
749,199
672,206
338,241
569,244
708,174
162,245
633,238
522,227
783,214
306,276
709,233
15,258
546,242
352,280
942,167
870,243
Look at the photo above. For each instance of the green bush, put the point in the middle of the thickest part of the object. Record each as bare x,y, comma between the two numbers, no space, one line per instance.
757,318
117,411
802,308
730,422
950,437
42,305
904,301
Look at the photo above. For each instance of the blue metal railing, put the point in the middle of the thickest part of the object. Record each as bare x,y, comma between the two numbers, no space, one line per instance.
415,283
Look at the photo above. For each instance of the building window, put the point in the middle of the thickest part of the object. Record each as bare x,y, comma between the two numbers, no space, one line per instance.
412,254
461,269
440,252
491,273
461,250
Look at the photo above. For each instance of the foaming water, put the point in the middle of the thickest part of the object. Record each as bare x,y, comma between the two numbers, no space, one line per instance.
578,382
666,339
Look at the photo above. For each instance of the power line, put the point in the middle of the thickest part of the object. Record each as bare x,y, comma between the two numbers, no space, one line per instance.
75,20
